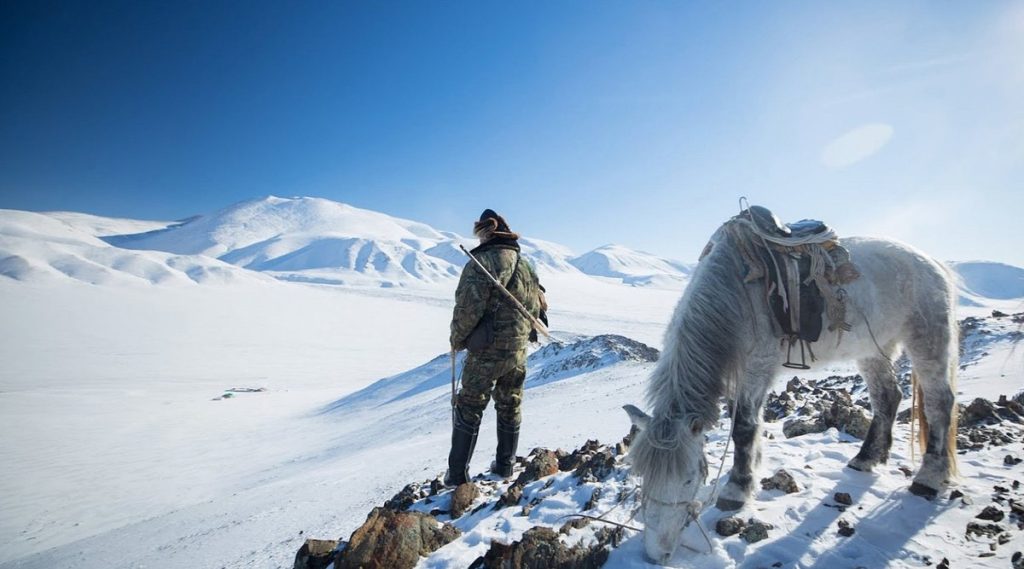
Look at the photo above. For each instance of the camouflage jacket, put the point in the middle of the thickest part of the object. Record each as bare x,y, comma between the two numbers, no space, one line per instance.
476,295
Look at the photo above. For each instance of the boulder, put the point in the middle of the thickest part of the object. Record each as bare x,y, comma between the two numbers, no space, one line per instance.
781,480
316,554
540,548
394,540
462,498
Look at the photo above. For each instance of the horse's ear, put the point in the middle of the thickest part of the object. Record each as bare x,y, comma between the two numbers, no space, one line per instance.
638,417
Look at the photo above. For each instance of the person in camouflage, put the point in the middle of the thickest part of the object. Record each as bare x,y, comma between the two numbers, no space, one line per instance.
496,334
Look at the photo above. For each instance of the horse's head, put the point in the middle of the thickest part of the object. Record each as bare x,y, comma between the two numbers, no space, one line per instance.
669,454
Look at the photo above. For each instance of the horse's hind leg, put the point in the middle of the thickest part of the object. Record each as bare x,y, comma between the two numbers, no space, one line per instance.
932,358
746,434
885,401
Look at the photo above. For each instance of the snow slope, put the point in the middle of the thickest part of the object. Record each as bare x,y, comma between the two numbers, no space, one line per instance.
49,248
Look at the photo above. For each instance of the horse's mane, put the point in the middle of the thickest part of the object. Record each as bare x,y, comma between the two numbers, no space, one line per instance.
698,365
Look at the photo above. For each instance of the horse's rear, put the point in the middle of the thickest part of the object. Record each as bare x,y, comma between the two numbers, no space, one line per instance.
903,299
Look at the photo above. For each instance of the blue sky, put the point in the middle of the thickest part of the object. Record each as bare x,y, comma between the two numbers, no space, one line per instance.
584,122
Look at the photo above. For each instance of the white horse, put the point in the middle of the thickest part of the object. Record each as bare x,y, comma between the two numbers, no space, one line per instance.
721,343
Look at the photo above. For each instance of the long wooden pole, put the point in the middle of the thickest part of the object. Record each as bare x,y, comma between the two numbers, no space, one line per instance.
537,324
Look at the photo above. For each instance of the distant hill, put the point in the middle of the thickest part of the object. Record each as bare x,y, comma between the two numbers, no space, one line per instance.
322,241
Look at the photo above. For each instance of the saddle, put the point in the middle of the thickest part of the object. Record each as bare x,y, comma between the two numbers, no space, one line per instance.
804,267
770,223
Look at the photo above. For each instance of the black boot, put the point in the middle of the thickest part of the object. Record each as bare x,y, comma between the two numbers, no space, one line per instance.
505,456
463,443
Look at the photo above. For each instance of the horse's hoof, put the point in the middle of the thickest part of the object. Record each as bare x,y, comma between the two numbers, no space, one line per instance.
727,505
923,491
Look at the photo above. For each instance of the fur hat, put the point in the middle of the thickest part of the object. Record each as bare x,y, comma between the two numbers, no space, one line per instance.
492,225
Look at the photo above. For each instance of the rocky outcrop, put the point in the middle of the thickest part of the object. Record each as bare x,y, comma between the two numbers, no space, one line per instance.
541,548
394,540
316,554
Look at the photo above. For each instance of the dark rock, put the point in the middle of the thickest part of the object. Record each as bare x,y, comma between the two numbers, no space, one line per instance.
405,498
462,498
511,497
316,554
1010,460
436,485
992,514
944,564
567,462
955,494
729,526
781,480
755,531
906,471
577,523
845,529
1017,560
999,314
597,467
843,498
542,463
984,530
394,540
595,497
833,408
540,548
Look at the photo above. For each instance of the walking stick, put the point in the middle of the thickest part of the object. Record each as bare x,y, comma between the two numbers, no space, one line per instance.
515,301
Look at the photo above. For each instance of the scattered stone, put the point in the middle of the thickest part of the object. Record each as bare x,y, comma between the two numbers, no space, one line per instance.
944,564
1010,460
462,498
992,514
999,314
540,547
833,408
905,470
316,554
991,531
576,523
755,531
843,498
781,480
543,463
955,494
395,540
599,466
405,498
595,497
729,526
1017,560
567,461
845,529
436,486
513,494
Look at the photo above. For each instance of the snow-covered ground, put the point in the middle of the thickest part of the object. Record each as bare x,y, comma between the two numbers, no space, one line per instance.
121,450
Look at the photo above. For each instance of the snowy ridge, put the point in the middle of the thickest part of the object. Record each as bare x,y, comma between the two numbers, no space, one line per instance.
317,240
553,362
49,248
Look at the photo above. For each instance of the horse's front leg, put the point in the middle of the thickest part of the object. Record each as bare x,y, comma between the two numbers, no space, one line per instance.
746,435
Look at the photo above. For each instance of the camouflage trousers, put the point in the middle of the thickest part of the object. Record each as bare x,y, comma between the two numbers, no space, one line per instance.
500,371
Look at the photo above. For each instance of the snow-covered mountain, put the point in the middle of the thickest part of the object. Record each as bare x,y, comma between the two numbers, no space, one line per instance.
52,247
990,280
322,241
635,268
292,239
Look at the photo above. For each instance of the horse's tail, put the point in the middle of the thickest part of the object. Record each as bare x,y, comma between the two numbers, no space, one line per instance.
954,413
